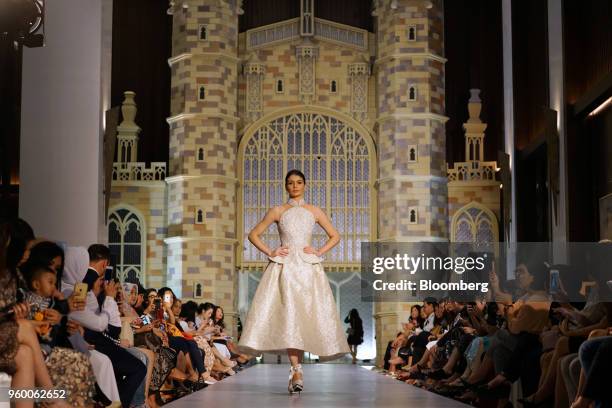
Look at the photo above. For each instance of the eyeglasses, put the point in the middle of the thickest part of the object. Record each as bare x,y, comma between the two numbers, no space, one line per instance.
151,296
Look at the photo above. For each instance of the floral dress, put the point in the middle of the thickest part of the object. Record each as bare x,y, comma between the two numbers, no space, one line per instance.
8,328
69,370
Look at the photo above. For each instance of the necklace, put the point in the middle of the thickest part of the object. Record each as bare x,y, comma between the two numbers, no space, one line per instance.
293,202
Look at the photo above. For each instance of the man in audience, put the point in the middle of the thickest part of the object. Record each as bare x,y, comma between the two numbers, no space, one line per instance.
99,258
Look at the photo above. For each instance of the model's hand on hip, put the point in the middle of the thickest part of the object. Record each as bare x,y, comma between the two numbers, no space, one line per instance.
280,251
311,250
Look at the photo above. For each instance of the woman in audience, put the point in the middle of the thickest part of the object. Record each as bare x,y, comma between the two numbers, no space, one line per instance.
151,337
224,339
194,360
206,330
50,254
187,314
20,353
129,327
415,316
204,314
148,295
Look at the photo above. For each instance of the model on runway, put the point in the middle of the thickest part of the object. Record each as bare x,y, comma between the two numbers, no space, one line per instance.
293,308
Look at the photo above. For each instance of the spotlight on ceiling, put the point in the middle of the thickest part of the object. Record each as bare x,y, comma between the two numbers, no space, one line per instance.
170,10
21,20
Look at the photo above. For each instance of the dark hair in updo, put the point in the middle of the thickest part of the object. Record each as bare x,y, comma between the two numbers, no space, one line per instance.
295,172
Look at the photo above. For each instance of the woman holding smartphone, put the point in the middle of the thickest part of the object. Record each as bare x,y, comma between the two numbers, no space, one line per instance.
180,343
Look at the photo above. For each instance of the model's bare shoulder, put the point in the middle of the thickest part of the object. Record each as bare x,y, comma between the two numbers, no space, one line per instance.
316,211
277,211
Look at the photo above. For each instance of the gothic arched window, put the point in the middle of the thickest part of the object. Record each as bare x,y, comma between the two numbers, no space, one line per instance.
337,161
126,240
200,154
202,93
279,86
474,223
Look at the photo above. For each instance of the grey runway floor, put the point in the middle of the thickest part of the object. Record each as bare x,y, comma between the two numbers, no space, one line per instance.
325,385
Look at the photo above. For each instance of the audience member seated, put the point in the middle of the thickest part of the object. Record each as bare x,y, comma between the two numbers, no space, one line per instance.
121,344
76,264
102,322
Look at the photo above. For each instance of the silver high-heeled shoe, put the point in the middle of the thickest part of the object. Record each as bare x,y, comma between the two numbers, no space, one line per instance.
296,385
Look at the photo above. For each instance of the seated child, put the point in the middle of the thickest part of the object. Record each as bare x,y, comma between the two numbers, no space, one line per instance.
41,281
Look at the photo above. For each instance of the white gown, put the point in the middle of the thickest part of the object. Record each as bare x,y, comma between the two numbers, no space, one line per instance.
293,306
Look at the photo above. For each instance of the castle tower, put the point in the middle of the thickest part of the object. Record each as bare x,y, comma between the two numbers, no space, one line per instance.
412,184
473,191
202,182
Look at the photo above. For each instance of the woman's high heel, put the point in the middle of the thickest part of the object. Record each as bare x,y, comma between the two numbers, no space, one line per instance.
296,385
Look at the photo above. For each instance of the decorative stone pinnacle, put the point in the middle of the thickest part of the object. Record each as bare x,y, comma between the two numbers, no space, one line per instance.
474,106
128,112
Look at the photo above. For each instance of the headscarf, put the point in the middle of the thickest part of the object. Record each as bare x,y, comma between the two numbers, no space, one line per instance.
76,264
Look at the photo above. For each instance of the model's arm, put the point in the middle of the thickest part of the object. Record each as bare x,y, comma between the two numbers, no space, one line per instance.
270,217
325,223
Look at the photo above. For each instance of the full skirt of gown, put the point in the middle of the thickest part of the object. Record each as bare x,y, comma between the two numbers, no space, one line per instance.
293,306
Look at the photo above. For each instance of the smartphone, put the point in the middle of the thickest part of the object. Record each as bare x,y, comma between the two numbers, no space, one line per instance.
554,282
80,291
128,288
168,298
108,274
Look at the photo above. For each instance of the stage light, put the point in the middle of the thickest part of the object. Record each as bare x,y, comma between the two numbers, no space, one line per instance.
601,107
20,20
170,10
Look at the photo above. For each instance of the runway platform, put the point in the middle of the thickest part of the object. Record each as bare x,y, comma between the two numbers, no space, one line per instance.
325,385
